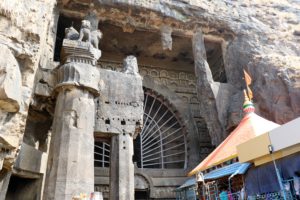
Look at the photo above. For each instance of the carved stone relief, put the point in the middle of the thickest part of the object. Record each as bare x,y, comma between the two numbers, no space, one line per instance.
130,65
183,83
86,34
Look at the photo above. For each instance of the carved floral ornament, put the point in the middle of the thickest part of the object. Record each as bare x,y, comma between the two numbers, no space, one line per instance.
183,82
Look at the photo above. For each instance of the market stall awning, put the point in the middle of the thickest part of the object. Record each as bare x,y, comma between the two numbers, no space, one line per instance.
251,126
190,182
233,169
284,140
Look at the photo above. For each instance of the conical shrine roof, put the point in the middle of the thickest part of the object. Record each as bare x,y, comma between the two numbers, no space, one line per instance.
251,126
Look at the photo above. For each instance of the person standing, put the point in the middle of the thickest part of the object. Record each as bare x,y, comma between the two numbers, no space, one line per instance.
223,195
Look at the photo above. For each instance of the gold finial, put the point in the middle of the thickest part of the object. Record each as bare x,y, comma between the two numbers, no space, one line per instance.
246,96
248,106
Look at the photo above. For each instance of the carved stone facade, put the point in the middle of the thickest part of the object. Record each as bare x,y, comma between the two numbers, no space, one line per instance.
190,57
183,83
182,86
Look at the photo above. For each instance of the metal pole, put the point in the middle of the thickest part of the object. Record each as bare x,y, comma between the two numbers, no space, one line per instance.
277,172
229,184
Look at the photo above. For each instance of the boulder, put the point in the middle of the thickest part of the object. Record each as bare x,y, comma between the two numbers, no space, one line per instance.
10,82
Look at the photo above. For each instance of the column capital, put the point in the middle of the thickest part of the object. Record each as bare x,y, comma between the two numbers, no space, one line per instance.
78,69
79,52
75,74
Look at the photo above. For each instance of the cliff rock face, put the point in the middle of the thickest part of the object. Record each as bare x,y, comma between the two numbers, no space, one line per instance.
10,89
262,37
259,36
24,26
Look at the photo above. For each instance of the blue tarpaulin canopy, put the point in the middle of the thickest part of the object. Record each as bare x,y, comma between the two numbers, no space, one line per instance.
188,183
233,169
187,190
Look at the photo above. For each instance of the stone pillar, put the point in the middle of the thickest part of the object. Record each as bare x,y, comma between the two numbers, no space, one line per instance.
119,118
73,146
207,89
4,181
71,162
121,168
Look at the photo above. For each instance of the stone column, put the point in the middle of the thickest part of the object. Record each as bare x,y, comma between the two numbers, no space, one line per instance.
73,146
71,162
119,118
207,89
4,181
121,168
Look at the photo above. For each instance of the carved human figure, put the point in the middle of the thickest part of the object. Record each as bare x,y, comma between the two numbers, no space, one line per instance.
166,37
130,65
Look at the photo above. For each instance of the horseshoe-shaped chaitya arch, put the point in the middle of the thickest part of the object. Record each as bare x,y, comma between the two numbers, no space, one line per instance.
162,140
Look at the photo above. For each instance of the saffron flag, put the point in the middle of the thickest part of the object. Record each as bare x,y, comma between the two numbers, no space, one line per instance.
247,78
248,81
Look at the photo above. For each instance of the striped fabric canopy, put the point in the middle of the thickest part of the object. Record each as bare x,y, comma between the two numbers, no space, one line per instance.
251,126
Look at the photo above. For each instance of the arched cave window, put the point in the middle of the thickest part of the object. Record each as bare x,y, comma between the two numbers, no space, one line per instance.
162,141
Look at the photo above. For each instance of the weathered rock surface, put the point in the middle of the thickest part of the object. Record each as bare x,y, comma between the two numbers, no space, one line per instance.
207,89
258,36
277,86
10,82
71,164
120,104
24,27
119,117
261,36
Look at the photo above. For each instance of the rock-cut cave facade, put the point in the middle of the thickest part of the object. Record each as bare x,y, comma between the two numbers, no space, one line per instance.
126,97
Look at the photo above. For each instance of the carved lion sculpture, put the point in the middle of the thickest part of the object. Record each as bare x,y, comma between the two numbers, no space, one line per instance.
71,33
85,35
96,36
85,31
